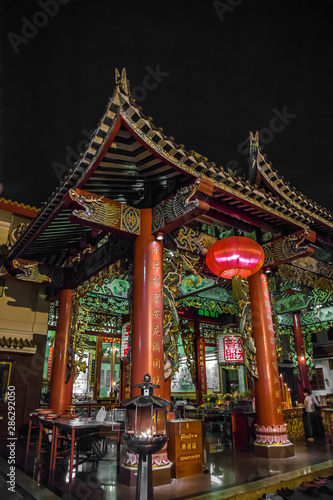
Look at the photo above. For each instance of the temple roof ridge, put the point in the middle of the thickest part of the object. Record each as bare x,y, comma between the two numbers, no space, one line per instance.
111,159
275,181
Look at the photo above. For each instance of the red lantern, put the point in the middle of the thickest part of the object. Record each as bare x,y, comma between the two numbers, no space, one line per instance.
235,258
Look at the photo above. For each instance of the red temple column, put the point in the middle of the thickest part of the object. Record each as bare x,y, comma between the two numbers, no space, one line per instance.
201,388
125,391
272,440
167,389
300,351
61,393
147,318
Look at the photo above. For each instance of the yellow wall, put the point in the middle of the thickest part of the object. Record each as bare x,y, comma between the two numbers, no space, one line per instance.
23,309
5,221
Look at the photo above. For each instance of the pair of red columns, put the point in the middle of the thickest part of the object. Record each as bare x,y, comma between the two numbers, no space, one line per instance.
147,343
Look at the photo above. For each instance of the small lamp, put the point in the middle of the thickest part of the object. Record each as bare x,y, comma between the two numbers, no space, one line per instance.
145,432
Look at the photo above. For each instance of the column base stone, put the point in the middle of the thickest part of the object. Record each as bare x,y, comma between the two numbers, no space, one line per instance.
274,450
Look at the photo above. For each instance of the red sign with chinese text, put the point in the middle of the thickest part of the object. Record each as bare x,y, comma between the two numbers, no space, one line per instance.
230,349
49,363
125,333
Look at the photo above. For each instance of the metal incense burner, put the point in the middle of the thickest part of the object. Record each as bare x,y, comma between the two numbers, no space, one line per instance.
145,432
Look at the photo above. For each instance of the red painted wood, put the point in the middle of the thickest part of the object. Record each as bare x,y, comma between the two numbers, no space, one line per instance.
147,320
267,387
300,351
153,151
242,215
61,393
101,155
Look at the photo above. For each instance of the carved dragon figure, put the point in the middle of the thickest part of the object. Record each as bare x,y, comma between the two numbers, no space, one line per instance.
181,203
32,272
285,248
245,328
175,265
95,210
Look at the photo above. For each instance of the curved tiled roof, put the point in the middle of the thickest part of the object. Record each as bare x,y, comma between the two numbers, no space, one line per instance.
291,195
126,152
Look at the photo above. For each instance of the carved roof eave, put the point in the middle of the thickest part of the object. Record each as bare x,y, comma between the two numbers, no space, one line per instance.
291,195
224,182
122,108
74,178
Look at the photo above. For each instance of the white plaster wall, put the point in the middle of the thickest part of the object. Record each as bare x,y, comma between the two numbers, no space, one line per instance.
328,376
241,378
5,221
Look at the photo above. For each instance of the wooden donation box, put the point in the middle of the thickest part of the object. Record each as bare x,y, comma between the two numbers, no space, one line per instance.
185,447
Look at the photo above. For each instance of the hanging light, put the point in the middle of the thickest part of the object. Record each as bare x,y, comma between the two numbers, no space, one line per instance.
235,258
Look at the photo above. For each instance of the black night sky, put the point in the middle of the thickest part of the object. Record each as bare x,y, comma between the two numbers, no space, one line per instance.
223,68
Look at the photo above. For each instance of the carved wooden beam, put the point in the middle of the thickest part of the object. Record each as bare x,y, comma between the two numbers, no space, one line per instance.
114,249
243,215
277,252
102,214
175,211
315,266
289,248
213,215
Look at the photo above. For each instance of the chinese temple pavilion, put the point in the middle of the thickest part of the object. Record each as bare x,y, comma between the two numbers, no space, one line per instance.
120,250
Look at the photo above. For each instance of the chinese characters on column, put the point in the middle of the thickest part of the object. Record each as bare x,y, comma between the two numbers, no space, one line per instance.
157,300
202,389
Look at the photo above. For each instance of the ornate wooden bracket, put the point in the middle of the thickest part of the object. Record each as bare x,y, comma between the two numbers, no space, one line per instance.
180,208
277,252
114,249
102,213
289,248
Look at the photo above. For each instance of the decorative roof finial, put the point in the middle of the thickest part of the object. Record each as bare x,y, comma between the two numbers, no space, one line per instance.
122,82
253,142
253,145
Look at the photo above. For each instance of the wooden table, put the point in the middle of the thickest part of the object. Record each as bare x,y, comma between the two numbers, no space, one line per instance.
63,429
87,408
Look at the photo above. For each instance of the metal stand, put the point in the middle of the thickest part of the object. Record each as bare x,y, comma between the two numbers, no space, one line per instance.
144,485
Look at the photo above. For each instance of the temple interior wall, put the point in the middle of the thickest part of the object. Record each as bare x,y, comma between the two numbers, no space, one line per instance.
23,309
328,377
